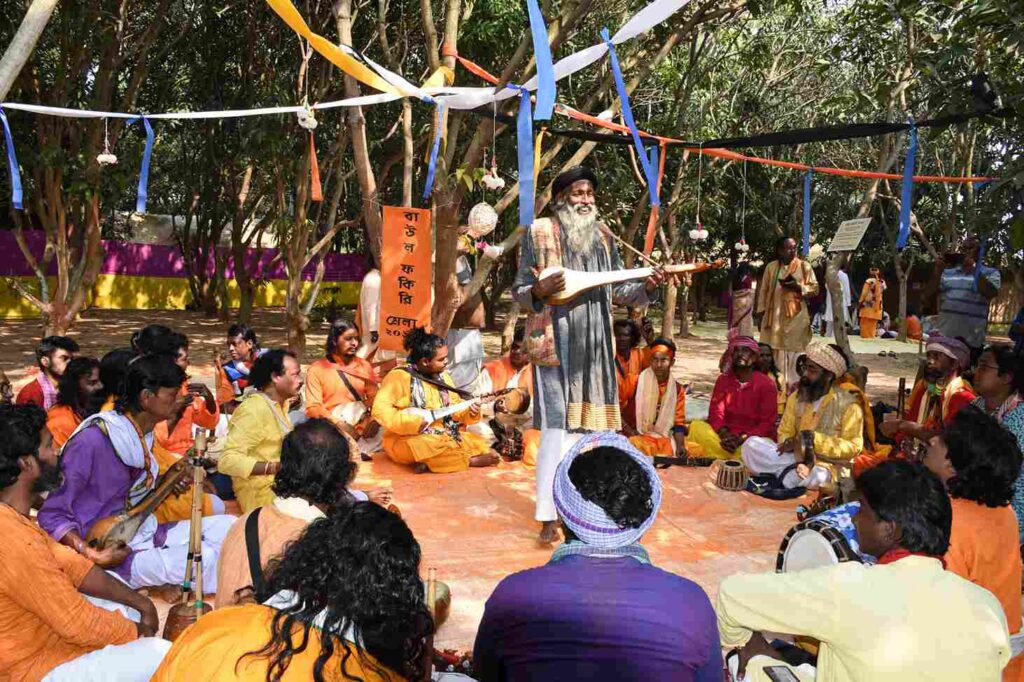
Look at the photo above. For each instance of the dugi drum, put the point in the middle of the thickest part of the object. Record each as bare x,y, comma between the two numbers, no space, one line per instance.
827,539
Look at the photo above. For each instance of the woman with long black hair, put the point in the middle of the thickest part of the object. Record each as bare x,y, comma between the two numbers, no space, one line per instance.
345,602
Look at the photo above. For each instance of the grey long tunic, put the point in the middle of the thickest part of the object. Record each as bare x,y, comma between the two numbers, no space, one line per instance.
581,394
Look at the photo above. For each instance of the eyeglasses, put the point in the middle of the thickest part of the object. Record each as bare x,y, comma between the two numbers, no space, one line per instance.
984,366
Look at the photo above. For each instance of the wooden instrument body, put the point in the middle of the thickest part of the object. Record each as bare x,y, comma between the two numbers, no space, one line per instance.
180,617
578,282
430,416
517,401
731,475
121,528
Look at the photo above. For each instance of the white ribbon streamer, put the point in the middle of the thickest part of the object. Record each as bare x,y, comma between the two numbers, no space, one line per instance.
453,97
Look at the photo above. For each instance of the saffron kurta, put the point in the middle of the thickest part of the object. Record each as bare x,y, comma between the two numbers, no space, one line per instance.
44,620
254,435
870,307
215,648
502,375
171,446
61,422
326,392
627,371
407,440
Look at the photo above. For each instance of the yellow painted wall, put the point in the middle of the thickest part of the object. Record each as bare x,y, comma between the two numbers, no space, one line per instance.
129,292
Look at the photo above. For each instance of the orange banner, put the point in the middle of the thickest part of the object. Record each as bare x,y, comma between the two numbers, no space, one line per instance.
406,290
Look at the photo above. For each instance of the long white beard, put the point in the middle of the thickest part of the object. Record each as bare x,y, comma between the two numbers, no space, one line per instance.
581,232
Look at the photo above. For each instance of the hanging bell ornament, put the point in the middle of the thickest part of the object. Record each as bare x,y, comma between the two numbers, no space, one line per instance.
694,235
106,158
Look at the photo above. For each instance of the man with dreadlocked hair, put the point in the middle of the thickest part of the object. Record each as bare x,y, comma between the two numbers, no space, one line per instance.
571,345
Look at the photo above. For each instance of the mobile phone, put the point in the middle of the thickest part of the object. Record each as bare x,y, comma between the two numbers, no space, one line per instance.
780,673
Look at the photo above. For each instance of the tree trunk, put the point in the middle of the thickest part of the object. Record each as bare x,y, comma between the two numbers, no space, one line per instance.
372,216
684,300
669,318
24,41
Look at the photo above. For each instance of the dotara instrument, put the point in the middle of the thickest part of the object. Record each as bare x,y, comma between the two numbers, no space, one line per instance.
577,282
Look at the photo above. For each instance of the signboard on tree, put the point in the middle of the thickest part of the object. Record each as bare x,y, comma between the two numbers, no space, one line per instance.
406,293
849,235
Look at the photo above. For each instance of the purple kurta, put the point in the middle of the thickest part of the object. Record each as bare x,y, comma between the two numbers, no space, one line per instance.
96,485
584,618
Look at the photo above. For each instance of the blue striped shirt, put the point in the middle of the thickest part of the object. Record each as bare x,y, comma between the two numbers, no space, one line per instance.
963,311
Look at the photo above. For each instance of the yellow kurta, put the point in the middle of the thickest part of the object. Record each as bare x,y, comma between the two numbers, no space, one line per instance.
255,433
215,648
404,441
838,425
907,620
786,324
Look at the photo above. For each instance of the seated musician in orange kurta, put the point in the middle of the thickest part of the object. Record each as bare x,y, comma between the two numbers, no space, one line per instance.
173,438
79,394
340,386
629,362
513,371
405,404
660,405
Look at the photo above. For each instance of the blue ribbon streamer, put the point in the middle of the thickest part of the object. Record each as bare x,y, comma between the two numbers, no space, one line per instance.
432,166
807,212
650,172
147,155
524,142
977,266
545,69
907,195
17,195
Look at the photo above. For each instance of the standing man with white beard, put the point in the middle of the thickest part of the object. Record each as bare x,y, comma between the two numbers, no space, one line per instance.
571,346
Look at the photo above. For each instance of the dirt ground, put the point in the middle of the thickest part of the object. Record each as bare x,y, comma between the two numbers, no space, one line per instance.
476,527
102,330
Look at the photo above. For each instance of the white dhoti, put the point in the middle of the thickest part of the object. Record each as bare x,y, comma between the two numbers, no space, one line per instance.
159,553
136,660
554,444
761,456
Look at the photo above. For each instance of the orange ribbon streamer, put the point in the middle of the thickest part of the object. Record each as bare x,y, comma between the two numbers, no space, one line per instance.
316,190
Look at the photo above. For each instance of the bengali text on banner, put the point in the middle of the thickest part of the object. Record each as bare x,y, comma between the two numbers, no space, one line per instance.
406,290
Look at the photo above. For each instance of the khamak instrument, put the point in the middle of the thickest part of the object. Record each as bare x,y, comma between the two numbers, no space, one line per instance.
577,282
192,607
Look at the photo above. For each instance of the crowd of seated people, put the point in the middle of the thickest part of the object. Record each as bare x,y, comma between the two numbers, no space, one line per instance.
316,580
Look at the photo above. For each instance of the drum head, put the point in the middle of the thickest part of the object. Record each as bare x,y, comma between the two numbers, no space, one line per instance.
813,545
516,401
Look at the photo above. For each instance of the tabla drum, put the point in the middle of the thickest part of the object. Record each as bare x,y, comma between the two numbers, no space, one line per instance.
824,540
517,401
731,475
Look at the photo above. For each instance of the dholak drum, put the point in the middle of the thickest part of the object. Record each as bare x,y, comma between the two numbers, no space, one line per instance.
827,539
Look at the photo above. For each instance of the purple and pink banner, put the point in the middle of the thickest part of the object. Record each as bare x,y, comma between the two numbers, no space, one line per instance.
160,260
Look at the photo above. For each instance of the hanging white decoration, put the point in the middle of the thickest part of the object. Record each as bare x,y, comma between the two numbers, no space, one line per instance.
741,246
107,158
306,117
482,220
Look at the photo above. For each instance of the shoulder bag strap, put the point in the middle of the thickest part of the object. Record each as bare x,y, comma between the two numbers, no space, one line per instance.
350,387
252,550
